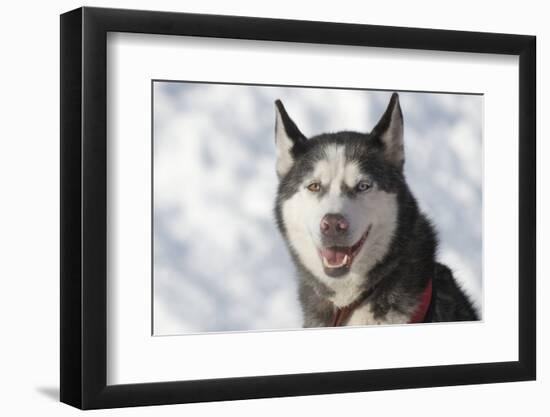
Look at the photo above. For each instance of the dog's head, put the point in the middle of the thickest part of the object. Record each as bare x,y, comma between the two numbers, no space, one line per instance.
337,199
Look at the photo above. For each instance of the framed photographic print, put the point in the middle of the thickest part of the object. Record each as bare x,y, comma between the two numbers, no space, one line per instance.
256,207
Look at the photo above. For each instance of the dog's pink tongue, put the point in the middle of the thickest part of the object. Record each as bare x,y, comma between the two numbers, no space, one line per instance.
333,256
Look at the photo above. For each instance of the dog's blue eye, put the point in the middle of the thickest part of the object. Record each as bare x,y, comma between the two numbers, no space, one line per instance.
363,186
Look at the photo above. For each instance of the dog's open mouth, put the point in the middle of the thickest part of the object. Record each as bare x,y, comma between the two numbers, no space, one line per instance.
337,260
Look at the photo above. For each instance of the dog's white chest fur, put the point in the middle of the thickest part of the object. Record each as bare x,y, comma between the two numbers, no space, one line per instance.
345,290
364,316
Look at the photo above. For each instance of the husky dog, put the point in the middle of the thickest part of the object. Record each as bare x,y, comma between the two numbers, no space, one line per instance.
364,252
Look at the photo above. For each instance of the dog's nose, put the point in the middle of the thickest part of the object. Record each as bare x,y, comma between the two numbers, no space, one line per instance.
334,225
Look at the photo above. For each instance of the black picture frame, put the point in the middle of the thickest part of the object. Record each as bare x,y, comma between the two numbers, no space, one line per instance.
84,207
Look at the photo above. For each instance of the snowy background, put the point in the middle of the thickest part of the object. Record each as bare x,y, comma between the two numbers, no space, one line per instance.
219,262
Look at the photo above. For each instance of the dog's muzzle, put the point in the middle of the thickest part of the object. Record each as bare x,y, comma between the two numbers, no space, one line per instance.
337,260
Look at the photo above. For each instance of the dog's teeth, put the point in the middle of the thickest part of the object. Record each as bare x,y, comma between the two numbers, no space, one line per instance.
329,265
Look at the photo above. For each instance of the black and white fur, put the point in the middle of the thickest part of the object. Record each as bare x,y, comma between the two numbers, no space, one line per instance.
352,225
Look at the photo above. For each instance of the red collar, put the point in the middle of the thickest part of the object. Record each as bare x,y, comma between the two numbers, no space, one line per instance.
341,315
420,313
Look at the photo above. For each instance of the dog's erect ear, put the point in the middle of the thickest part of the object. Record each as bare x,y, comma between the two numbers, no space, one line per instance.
389,131
288,139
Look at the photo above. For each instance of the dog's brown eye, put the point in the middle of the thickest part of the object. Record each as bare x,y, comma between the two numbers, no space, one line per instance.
314,187
363,186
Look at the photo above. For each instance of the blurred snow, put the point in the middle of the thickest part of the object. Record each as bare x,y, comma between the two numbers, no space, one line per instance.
219,262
